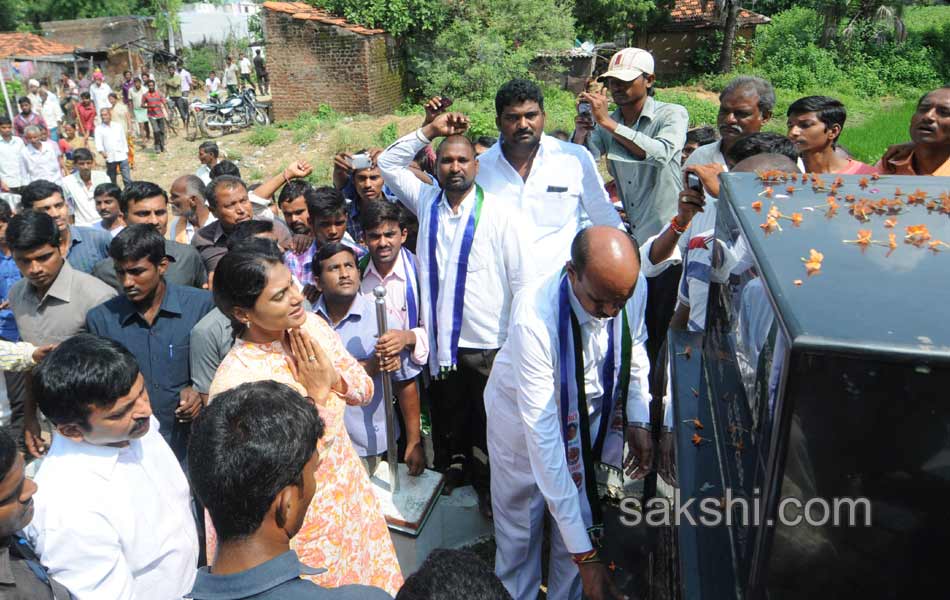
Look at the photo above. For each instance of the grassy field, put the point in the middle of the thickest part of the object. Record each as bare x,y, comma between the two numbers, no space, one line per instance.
920,18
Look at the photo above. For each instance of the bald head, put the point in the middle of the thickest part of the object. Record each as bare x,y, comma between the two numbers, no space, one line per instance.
766,162
455,139
604,267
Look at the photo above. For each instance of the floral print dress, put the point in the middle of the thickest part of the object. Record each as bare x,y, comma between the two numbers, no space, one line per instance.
344,531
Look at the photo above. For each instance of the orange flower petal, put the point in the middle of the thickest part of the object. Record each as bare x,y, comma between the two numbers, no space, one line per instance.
890,223
757,206
796,218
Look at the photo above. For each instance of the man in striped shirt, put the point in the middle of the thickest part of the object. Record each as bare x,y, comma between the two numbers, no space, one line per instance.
154,103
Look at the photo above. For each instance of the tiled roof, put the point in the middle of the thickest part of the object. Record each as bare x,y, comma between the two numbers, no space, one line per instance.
305,12
28,44
703,12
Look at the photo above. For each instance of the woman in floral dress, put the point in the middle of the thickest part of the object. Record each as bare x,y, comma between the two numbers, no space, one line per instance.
277,339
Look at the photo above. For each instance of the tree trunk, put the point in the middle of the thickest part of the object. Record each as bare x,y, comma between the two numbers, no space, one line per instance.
731,10
832,12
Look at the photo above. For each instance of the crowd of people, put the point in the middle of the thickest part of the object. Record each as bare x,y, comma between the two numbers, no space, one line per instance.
197,372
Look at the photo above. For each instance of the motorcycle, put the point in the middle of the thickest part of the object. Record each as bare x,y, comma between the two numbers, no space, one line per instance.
214,119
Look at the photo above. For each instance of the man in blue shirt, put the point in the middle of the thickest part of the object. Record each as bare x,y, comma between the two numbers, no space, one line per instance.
353,316
153,319
83,247
252,464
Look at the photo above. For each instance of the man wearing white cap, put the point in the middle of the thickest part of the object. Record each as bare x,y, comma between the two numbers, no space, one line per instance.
643,140
34,95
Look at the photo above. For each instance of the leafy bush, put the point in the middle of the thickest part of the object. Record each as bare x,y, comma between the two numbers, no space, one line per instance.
305,125
937,39
398,17
794,28
386,136
263,135
201,60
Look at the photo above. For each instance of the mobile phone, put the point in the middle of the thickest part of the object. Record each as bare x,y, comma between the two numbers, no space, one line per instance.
361,161
693,182
583,108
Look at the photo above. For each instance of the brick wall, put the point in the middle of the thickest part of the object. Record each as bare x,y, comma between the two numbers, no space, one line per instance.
312,63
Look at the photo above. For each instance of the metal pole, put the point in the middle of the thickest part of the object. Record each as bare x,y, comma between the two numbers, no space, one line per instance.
380,293
6,97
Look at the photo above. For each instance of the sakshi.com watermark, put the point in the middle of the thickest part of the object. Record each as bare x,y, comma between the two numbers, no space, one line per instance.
732,510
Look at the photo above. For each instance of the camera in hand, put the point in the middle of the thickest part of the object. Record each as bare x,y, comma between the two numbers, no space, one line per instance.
583,108
361,161
693,182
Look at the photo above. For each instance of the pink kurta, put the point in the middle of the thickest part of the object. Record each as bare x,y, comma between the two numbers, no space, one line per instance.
344,531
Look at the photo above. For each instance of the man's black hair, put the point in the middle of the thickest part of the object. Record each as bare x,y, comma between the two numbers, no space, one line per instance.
380,211
762,142
925,94
8,451
487,141
225,167
249,444
228,181
23,99
701,136
31,229
209,148
108,189
138,191
83,372
136,242
324,201
37,190
328,251
829,111
517,91
82,154
453,574
85,96
292,190
241,276
6,213
5,120
246,230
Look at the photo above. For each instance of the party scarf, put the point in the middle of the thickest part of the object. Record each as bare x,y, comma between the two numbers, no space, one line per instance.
412,283
582,452
445,309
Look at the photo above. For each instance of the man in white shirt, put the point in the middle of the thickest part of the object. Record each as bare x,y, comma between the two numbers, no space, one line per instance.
472,261
187,195
231,77
245,64
212,84
208,157
100,90
539,408
80,187
113,511
186,81
113,145
38,159
10,148
51,111
554,184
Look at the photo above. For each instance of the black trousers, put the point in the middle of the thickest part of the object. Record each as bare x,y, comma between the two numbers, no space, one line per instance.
457,410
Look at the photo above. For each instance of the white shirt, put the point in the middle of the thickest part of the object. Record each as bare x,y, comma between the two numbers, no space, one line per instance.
102,225
498,259
174,224
100,96
522,395
51,110
231,74
563,194
204,174
115,522
10,161
111,140
81,198
40,164
185,80
212,84
245,66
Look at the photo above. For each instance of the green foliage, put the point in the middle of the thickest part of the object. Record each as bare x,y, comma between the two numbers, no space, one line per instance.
797,28
924,18
200,60
386,136
305,125
488,42
938,40
398,17
868,140
701,111
605,20
263,135
231,154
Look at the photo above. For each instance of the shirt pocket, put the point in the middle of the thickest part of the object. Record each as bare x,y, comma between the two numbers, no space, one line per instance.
555,206
179,371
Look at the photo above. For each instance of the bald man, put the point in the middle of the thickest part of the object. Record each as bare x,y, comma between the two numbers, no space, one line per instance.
188,198
550,422
472,262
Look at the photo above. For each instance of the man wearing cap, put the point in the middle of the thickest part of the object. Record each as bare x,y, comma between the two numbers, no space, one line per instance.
642,140
154,319
99,91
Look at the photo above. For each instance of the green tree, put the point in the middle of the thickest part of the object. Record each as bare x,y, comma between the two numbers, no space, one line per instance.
606,20
398,17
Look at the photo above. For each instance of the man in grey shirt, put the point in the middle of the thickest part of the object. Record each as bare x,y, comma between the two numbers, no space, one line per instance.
51,301
642,140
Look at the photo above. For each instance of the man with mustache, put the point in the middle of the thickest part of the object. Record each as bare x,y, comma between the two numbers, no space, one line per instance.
555,185
50,302
928,153
153,319
642,140
188,197
20,563
472,261
113,510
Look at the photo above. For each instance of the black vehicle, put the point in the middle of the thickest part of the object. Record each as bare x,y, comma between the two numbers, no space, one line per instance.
818,393
214,119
